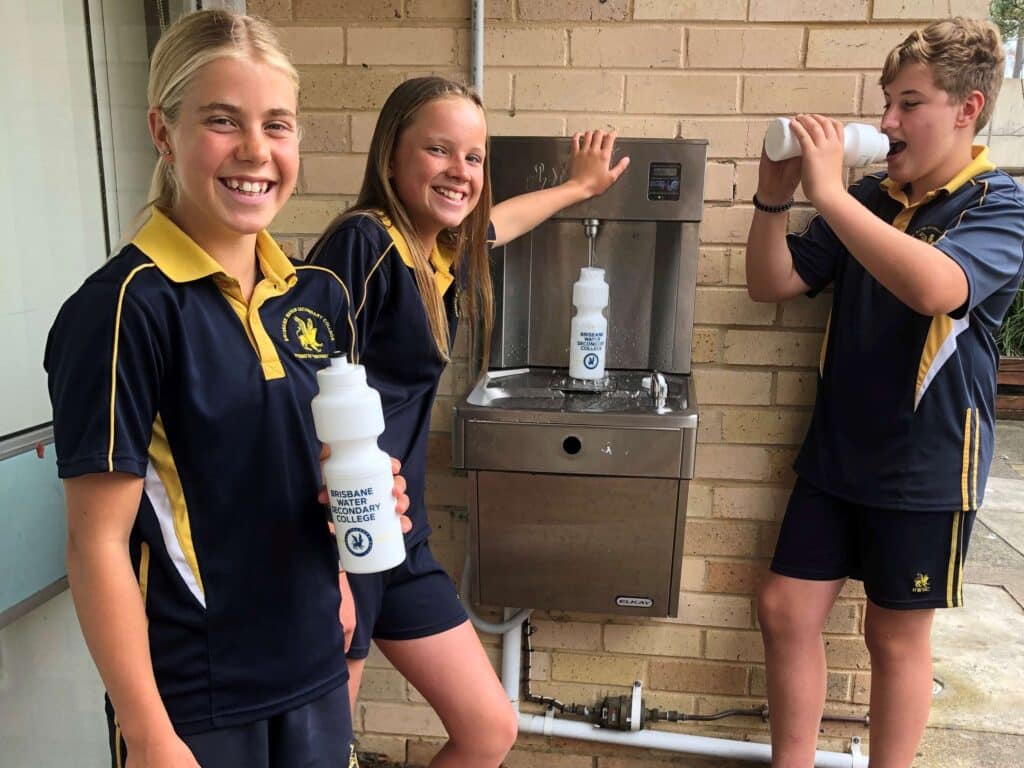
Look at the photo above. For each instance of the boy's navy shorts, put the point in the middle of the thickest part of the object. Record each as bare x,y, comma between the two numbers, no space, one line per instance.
906,559
314,735
414,599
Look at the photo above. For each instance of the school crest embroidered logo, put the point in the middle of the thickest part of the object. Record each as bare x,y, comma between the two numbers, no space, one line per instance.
307,333
928,233
922,583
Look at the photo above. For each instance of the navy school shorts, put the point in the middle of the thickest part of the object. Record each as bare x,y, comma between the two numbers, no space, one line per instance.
412,600
314,735
906,559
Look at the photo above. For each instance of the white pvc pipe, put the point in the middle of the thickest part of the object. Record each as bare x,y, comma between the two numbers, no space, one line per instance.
476,68
548,725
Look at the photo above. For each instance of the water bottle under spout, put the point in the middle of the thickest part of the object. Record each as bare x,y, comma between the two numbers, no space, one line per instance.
588,331
863,144
348,417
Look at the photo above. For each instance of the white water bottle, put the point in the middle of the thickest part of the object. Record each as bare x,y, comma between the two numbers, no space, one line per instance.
863,144
348,417
588,331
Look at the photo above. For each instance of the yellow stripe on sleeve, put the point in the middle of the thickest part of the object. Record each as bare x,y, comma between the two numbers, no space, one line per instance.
113,359
144,571
974,470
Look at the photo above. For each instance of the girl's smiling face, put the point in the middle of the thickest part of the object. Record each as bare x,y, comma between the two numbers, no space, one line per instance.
234,148
437,169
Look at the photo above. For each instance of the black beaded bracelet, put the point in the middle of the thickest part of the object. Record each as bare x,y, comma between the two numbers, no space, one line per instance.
773,208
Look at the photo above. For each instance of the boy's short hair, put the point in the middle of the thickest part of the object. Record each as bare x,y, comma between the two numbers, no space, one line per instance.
964,55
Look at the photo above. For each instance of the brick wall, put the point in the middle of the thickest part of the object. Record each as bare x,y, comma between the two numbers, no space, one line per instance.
714,69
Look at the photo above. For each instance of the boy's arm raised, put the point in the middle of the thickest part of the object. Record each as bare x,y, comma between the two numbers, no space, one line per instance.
770,272
590,175
918,274
101,511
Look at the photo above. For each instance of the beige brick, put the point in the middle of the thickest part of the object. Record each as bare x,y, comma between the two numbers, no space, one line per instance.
657,640
723,306
383,685
796,387
751,48
737,266
785,94
441,414
872,100
324,132
454,380
712,266
581,668
698,500
717,537
727,138
709,430
772,347
308,215
862,688
718,181
333,175
852,48
726,224
690,10
738,577
525,124
500,10
577,91
706,345
667,94
362,127
972,9
730,645
734,462
344,10
377,660
686,675
838,686
846,653
853,589
573,10
746,181
530,47
422,751
911,9
567,635
716,386
750,502
765,426
844,618
272,10
715,610
540,665
808,10
314,45
634,46
346,87
626,125
802,312
694,573
424,47
401,719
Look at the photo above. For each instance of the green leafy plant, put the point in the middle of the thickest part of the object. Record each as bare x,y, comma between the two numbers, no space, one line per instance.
1008,15
1010,338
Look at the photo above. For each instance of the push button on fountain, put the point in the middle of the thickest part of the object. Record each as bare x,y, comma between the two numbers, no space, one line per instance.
572,445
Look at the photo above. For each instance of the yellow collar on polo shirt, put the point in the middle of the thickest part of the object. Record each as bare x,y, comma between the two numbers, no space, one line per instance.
979,164
180,258
441,259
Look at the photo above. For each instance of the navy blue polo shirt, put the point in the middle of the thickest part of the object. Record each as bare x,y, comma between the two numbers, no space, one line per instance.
158,367
904,412
393,338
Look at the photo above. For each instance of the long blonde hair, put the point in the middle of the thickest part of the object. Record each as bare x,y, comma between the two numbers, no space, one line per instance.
469,240
186,47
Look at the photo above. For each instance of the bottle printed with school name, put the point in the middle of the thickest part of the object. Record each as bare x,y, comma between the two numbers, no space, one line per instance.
863,144
348,417
588,331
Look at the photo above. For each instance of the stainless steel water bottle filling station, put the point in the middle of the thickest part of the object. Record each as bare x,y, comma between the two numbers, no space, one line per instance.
579,487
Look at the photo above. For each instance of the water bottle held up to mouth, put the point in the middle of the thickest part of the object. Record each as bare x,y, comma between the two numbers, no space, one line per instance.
348,417
863,144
